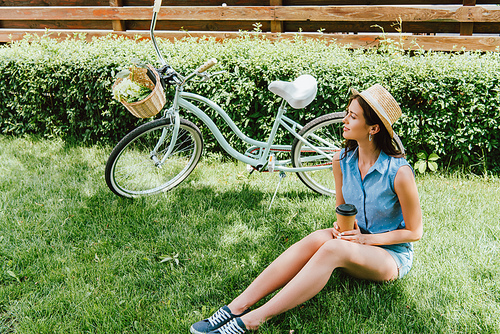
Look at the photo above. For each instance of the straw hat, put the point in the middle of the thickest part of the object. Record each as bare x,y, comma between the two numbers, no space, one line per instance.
383,103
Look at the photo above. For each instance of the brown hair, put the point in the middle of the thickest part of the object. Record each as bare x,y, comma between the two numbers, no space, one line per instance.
382,138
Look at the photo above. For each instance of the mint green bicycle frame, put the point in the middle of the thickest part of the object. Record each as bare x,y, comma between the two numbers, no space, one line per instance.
264,148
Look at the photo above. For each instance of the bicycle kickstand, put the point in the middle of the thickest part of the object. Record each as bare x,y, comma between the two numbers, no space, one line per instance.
282,176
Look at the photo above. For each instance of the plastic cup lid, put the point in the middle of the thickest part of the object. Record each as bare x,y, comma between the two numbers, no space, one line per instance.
346,210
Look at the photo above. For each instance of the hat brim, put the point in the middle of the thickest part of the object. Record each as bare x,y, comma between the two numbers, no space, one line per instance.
384,121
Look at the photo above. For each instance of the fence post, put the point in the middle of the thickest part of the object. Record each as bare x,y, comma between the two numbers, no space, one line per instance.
466,28
276,26
118,25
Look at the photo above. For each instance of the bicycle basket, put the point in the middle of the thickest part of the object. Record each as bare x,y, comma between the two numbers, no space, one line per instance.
154,102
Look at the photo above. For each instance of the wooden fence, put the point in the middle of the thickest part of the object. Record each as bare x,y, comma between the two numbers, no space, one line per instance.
447,25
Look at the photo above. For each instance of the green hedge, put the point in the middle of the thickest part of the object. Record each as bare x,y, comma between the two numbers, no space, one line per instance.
451,101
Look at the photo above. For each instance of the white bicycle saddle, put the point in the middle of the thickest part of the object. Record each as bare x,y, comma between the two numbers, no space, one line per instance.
298,93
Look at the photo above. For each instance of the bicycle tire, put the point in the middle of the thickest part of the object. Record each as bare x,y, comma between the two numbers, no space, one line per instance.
132,172
329,128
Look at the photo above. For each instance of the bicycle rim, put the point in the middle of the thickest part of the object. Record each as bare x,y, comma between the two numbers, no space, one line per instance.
324,132
132,171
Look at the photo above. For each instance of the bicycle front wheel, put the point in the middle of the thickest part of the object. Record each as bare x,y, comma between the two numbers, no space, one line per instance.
138,166
325,133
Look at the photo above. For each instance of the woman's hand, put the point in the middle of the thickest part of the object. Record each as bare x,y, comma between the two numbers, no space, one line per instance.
335,231
354,235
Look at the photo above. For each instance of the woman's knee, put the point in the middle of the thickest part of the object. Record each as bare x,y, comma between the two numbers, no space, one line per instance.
319,238
334,248
313,241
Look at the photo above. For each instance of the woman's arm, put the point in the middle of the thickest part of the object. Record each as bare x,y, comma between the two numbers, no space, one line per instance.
337,174
406,190
339,198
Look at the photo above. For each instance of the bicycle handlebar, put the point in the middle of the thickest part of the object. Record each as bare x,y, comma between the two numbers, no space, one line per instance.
209,63
157,6
200,71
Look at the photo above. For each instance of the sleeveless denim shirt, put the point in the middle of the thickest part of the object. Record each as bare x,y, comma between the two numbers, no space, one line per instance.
378,205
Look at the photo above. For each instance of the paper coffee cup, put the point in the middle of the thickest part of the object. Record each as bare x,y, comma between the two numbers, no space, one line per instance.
346,213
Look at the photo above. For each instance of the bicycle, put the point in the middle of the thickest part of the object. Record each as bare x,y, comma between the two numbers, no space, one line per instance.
159,155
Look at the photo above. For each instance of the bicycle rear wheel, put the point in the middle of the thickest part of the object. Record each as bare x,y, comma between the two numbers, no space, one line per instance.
324,132
134,167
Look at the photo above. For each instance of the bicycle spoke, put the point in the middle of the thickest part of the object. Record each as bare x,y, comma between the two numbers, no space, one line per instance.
132,171
325,134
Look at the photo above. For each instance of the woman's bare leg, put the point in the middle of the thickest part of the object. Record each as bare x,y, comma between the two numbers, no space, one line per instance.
281,270
367,262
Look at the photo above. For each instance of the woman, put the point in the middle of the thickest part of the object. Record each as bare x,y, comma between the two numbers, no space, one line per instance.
369,173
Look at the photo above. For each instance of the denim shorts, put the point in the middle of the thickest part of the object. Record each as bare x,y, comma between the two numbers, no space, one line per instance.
403,255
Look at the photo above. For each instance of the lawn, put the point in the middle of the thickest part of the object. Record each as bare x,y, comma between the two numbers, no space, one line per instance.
75,258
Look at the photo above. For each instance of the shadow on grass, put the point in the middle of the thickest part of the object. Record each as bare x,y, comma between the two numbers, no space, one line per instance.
243,196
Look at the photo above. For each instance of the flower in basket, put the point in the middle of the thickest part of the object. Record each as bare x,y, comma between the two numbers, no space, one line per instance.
130,91
128,88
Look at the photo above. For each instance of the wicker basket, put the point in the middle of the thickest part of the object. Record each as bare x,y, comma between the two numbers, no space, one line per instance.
154,102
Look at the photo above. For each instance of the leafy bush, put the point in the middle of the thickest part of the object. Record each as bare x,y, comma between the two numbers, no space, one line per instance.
450,101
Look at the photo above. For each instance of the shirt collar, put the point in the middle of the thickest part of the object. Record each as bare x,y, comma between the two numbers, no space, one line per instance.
353,156
380,165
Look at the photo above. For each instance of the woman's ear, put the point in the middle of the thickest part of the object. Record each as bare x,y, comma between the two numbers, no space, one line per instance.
374,129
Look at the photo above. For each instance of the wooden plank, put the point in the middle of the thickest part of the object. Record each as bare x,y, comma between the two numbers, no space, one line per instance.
199,25
408,27
467,28
45,3
228,13
61,3
374,27
487,28
207,2
65,25
138,13
438,43
431,27
390,13
139,25
268,13
75,13
276,26
118,25
378,2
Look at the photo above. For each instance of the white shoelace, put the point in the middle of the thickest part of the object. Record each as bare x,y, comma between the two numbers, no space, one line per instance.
218,317
231,327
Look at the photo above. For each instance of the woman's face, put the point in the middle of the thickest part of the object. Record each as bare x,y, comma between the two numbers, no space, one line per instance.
355,126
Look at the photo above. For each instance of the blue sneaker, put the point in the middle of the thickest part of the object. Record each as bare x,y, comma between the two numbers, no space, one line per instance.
235,326
218,319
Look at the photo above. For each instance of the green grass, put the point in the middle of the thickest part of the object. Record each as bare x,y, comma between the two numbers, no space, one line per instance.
74,258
